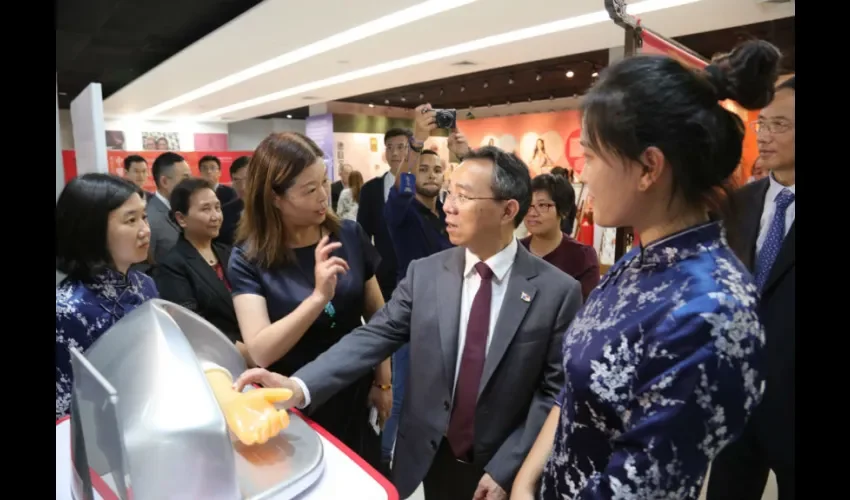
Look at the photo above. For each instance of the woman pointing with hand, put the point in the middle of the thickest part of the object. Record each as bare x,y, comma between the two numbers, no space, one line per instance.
302,279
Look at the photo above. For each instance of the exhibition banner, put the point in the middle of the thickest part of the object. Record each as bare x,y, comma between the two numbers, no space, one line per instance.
320,128
115,162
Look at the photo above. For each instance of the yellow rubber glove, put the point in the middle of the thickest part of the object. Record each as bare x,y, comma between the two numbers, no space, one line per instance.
251,416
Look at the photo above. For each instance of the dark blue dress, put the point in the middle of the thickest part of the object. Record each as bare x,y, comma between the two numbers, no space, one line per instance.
85,311
664,365
346,415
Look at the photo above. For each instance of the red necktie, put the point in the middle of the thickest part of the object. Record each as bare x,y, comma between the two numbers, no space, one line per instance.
462,423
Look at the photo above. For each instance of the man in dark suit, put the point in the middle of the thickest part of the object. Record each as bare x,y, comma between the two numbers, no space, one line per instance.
765,242
232,210
168,170
340,184
370,214
210,168
485,323
136,171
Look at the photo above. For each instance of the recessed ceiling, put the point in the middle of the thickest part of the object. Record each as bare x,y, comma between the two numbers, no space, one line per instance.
548,79
277,27
113,42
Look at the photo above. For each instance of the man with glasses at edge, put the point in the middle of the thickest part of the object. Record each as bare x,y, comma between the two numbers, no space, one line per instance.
765,241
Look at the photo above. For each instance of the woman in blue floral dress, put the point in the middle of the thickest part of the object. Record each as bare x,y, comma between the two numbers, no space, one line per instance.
101,230
664,364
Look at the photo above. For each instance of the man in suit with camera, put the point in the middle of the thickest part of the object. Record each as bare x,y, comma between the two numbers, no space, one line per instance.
484,321
370,214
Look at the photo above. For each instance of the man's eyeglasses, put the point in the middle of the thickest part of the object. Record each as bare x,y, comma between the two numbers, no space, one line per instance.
461,199
772,126
399,148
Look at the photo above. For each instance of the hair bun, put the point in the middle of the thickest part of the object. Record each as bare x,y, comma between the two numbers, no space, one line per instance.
746,75
717,79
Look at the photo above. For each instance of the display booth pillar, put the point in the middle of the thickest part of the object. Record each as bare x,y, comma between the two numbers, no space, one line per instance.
89,130
60,167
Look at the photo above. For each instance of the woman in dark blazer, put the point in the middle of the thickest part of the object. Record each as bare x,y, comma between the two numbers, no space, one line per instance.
194,273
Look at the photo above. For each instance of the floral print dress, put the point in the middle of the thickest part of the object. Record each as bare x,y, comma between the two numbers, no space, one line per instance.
664,365
85,311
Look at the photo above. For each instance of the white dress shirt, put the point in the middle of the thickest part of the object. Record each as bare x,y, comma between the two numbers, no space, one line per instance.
770,209
389,182
162,199
501,265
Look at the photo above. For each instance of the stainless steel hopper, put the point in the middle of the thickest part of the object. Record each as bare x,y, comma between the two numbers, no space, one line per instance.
145,422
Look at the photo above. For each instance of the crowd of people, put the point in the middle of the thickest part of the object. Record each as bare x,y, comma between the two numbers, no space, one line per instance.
499,367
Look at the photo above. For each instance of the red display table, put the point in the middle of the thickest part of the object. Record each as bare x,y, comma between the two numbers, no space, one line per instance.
345,475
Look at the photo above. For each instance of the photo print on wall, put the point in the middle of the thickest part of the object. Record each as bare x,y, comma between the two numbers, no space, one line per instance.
115,140
160,141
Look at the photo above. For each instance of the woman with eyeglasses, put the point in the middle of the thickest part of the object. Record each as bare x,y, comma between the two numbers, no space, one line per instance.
101,231
553,200
302,279
664,364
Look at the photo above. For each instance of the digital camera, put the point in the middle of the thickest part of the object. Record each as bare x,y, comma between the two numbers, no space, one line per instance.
445,118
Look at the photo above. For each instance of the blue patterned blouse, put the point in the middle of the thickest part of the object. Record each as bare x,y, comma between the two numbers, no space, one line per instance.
663,368
85,311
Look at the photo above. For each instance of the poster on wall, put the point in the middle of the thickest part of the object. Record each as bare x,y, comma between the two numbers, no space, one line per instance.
210,142
160,141
115,140
115,163
543,140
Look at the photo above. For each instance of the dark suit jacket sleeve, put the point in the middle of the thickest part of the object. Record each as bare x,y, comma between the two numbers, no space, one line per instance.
365,217
396,208
362,349
506,462
336,190
172,279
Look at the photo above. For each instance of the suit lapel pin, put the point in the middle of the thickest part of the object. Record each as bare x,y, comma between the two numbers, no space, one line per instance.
525,297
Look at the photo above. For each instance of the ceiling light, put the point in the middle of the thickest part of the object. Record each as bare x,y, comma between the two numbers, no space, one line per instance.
462,88
486,85
289,116
370,29
538,77
595,74
371,104
421,96
570,74
570,23
403,99
386,101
